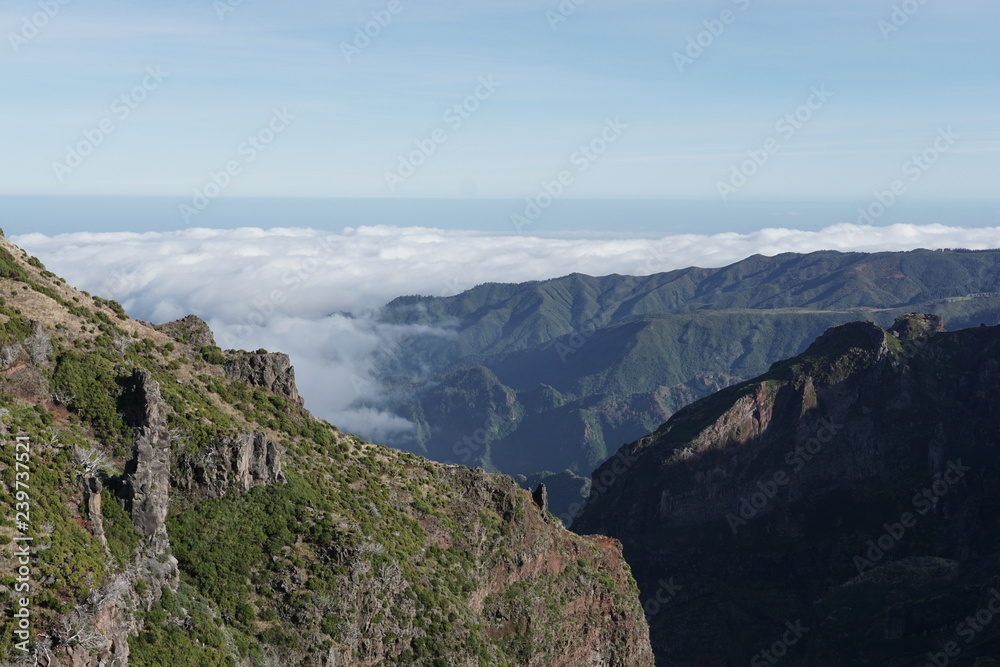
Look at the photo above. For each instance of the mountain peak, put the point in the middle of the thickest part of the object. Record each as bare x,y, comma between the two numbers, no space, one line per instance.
916,325
864,335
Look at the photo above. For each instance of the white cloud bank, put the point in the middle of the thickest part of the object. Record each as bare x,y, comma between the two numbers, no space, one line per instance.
311,293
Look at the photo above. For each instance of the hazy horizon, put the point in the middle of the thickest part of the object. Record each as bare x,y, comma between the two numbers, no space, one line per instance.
650,217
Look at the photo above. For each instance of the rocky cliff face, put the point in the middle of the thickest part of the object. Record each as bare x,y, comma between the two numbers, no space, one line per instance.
549,597
190,329
237,463
272,371
146,483
846,491
147,474
184,509
536,553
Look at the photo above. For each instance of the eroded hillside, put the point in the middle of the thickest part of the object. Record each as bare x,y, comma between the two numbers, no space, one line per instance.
181,507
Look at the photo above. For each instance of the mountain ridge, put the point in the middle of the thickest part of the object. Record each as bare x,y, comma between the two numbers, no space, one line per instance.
651,344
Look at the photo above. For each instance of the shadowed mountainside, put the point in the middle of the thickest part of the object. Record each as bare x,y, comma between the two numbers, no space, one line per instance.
849,493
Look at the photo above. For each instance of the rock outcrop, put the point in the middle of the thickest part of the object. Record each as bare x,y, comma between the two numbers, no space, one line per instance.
272,371
237,463
191,330
146,483
92,487
595,625
914,325
96,632
540,496
147,473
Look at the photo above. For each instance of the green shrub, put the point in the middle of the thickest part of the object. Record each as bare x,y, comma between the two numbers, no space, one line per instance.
118,529
9,268
91,387
212,354
220,542
15,329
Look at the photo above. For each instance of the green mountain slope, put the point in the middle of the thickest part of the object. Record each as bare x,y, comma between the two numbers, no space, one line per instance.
178,506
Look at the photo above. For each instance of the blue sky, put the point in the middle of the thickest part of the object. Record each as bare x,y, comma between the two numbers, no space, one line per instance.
891,95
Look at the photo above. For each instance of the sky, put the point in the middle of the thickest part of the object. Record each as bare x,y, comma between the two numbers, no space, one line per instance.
154,99
203,156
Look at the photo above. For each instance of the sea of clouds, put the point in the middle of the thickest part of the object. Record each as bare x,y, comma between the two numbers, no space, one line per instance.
315,294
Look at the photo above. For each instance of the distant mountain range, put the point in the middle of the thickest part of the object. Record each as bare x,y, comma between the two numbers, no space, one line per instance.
840,509
546,380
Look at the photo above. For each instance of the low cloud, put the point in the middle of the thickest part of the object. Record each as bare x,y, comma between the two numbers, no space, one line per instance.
313,294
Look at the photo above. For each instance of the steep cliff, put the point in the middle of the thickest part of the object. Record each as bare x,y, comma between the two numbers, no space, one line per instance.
178,506
839,510
269,370
236,462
